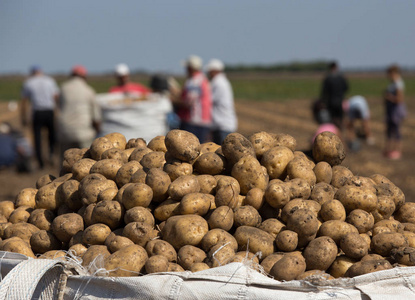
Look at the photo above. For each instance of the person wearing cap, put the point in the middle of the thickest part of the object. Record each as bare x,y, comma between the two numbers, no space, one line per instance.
80,115
42,92
122,74
195,107
224,120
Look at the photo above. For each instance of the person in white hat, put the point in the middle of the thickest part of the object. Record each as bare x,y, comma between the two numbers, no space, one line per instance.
122,75
195,106
224,120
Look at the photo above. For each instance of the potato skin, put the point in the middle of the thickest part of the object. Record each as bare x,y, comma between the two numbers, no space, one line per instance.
250,174
93,252
320,253
353,197
182,186
110,213
184,230
219,237
139,233
256,239
17,245
361,219
160,247
336,229
159,181
182,145
329,148
367,266
195,203
286,240
247,216
67,225
127,261
156,264
210,163
42,218
43,241
26,197
95,234
107,167
333,210
384,243
354,246
127,170
288,267
222,217
235,146
189,255
137,194
276,160
322,192
323,172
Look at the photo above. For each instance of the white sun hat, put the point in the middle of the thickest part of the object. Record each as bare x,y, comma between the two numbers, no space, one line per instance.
122,70
215,65
193,61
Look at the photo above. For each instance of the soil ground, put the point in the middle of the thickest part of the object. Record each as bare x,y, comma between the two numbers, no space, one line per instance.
293,117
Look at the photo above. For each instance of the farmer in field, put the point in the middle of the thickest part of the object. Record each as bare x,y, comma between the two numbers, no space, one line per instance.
357,109
122,75
80,115
333,91
224,119
42,92
395,112
195,107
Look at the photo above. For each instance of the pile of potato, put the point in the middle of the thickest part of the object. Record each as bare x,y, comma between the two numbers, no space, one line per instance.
175,204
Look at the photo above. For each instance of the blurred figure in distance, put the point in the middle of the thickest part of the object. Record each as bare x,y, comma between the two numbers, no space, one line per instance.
122,75
332,94
323,118
224,120
80,115
195,106
357,108
395,112
42,92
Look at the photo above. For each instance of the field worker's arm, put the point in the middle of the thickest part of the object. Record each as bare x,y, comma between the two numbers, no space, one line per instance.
399,95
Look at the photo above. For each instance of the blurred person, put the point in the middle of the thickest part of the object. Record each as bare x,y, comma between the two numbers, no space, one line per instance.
333,89
323,118
80,115
195,106
395,111
357,108
224,119
122,75
42,92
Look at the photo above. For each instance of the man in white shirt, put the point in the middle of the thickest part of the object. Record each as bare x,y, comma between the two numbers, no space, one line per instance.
224,120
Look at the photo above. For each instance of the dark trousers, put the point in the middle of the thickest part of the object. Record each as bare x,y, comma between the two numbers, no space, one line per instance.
219,136
43,118
202,132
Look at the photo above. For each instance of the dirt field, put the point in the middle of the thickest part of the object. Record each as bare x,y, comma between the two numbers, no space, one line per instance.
292,117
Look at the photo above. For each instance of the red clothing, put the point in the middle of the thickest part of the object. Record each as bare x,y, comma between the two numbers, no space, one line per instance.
130,88
197,97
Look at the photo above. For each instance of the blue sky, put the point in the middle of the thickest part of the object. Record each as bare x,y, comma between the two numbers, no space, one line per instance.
157,35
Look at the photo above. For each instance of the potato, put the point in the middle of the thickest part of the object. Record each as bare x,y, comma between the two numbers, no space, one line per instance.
99,146
361,219
182,186
393,225
210,163
17,245
86,213
22,230
323,172
44,180
177,168
163,248
353,197
384,243
184,230
139,214
109,194
153,159
3,227
159,181
128,261
227,191
107,167
255,239
385,208
77,250
235,146
6,208
246,216
139,233
115,153
406,213
137,194
117,139
42,218
277,194
410,237
82,168
276,160
262,142
20,215
404,256
125,172
92,185
43,241
189,255
312,275
320,253
156,264
340,266
46,196
250,174
66,226
222,217
354,246
268,262
196,267
93,254
336,229
53,254
116,242
26,197
340,175
329,148
95,234
288,267
296,204
182,145
367,266
245,257
286,140
138,154
208,147
286,240
272,226
391,190
207,184
300,168
255,198
219,255
68,194
219,237
136,143
333,210
195,203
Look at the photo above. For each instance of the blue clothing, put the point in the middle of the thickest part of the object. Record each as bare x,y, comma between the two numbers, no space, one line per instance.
8,151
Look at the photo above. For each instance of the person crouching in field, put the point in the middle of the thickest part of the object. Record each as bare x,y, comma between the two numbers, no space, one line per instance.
356,108
395,112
